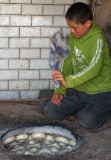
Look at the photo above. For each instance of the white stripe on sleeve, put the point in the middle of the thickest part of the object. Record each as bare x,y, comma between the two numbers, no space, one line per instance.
94,60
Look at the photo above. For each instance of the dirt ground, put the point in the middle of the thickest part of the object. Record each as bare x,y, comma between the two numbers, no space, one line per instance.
93,145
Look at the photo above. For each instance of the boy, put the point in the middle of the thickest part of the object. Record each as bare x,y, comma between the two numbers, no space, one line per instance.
87,70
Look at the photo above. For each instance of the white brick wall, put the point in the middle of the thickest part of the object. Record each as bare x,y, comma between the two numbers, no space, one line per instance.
45,53
29,53
10,8
20,1
32,9
42,20
40,42
84,1
59,21
45,74
3,85
63,1
19,85
4,1
19,42
39,64
3,42
18,64
53,10
9,32
40,84
9,53
8,74
4,20
29,94
9,95
30,32
42,1
20,20
26,27
29,74
3,64
49,31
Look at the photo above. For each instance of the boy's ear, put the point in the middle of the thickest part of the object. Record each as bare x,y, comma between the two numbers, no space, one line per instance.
88,23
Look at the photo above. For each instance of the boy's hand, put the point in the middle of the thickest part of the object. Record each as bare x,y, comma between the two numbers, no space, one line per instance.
56,99
59,76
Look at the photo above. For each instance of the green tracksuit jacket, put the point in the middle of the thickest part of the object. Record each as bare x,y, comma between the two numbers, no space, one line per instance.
88,67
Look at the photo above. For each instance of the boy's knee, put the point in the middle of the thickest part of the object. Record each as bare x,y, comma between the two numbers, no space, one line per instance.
86,120
92,120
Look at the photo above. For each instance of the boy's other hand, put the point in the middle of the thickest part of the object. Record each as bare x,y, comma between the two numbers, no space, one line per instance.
56,99
59,76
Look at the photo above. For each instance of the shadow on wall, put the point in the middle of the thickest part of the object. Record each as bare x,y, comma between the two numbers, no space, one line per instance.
103,18
107,32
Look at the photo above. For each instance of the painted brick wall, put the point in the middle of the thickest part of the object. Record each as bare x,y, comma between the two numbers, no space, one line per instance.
25,30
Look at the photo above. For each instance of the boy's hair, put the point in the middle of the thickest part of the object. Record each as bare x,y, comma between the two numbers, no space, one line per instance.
79,12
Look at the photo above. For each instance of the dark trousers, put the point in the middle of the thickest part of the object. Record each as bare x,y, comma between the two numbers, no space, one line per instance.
92,110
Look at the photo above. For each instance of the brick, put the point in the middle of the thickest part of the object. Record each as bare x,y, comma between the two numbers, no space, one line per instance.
4,1
45,53
39,64
18,64
29,53
40,42
63,1
66,8
31,9
19,42
66,31
20,1
9,95
8,75
53,10
45,74
49,31
51,84
59,21
41,20
42,1
40,84
3,42
9,32
9,53
29,74
4,20
18,85
20,20
29,94
30,32
83,1
3,64
3,85
10,8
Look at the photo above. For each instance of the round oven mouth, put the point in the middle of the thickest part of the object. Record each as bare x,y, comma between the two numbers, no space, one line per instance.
40,141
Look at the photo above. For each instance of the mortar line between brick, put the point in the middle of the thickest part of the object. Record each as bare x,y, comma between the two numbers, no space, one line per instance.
19,32
8,42
52,21
64,11
31,21
21,9
42,9
19,54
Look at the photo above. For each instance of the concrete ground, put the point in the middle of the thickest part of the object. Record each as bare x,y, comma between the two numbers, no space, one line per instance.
92,145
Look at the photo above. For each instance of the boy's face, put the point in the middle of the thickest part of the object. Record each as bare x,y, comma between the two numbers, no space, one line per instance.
79,30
